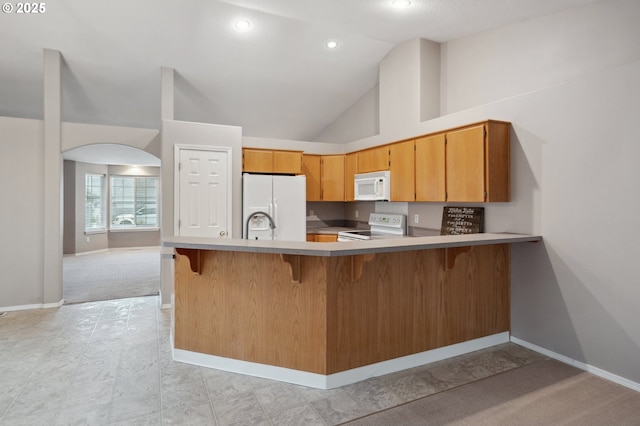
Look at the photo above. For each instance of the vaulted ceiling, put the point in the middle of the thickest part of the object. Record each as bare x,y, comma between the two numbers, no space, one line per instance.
276,80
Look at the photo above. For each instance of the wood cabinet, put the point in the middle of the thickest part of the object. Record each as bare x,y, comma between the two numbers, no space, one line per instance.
311,169
287,162
322,238
271,161
466,164
477,163
332,177
373,159
469,164
325,177
430,168
350,170
402,168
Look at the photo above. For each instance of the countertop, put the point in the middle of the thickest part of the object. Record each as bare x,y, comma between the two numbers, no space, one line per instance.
347,248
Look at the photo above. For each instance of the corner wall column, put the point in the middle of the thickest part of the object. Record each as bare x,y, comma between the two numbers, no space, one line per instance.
53,204
166,185
166,93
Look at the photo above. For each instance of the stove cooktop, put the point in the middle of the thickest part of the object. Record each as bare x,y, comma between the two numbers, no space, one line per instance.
382,226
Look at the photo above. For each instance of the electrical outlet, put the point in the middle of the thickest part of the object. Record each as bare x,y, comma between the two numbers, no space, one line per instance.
356,214
312,212
416,218
88,239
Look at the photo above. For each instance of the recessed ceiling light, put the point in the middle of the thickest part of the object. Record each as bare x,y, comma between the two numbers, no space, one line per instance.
332,44
401,4
242,25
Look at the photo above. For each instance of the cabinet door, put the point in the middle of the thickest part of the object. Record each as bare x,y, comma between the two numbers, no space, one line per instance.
402,168
257,160
287,162
497,166
430,173
374,159
332,178
465,164
311,169
350,169
326,238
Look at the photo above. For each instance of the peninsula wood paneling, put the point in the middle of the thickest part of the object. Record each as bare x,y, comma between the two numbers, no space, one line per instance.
409,302
246,305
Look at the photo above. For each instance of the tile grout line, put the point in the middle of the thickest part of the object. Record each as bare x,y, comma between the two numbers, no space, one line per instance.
113,388
82,356
159,360
40,361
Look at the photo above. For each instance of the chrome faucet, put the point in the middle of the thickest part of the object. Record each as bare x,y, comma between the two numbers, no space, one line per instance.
272,224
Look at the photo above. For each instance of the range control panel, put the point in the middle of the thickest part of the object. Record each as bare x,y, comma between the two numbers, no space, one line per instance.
386,222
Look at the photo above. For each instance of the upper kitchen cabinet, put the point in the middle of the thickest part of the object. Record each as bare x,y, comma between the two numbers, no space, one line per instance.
325,177
373,159
477,163
350,170
332,177
271,161
311,169
401,166
430,168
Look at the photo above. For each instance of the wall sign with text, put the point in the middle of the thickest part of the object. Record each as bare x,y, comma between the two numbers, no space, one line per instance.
462,220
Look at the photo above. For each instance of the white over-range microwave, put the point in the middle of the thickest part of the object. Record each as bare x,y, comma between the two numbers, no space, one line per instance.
374,186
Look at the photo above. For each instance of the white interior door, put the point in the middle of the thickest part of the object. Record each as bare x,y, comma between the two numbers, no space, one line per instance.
204,189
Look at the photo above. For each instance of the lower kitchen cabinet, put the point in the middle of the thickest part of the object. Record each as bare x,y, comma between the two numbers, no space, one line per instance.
322,238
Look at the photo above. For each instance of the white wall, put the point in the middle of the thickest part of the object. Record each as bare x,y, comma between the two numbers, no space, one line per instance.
189,133
23,207
21,210
570,85
359,121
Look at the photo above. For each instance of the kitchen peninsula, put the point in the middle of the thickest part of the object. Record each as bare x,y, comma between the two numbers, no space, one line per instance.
329,314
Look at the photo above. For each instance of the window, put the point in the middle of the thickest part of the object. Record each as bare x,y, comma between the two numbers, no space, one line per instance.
134,201
94,203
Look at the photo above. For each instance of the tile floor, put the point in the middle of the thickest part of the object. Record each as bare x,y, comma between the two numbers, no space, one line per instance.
109,363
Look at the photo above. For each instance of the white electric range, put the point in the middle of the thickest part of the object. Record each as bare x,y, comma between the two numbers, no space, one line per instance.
383,225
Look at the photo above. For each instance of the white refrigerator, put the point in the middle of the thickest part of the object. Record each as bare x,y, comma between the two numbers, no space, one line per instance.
277,205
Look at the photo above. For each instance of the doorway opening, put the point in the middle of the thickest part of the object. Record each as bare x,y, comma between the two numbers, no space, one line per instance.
111,237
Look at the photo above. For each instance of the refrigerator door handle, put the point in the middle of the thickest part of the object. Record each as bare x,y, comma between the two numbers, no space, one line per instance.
274,215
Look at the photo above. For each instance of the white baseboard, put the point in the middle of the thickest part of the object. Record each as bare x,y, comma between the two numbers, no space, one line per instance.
578,364
331,381
32,306
164,305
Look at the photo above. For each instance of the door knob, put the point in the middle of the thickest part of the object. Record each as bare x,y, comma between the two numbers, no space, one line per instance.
223,233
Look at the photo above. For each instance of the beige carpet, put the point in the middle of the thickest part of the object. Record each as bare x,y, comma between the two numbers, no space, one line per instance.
547,392
112,274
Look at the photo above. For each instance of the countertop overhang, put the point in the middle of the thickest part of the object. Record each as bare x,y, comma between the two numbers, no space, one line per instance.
347,248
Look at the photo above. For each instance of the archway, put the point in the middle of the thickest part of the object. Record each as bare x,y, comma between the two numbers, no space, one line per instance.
111,223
